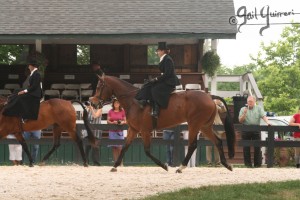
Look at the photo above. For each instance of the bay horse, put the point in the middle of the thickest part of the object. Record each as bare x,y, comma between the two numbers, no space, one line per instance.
194,107
57,112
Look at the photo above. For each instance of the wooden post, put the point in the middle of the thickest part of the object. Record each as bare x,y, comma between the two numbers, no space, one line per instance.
270,147
38,45
126,58
200,54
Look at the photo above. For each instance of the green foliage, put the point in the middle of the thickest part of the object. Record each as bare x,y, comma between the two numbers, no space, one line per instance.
278,74
228,86
13,54
210,63
83,54
283,53
152,57
228,100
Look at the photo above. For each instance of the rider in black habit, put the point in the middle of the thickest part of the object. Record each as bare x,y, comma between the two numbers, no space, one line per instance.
26,103
158,90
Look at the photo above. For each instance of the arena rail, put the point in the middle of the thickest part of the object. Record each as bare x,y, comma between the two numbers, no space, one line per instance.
270,143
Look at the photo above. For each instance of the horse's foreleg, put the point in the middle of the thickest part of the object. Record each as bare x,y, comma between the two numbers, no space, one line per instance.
218,143
21,140
56,143
131,134
147,139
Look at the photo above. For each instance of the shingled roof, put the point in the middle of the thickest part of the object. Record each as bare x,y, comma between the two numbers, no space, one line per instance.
114,17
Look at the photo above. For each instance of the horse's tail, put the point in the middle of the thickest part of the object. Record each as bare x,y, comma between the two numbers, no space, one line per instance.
229,129
87,124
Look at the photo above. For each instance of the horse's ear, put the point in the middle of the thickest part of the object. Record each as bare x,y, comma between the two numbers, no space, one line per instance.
101,76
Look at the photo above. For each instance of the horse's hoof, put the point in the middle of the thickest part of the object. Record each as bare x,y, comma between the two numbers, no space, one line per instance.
114,169
31,165
85,165
179,171
166,167
42,164
229,167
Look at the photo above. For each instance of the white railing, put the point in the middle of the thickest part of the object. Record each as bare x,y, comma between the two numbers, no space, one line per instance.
246,81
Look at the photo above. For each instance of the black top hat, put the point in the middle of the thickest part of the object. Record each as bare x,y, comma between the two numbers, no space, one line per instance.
33,62
162,46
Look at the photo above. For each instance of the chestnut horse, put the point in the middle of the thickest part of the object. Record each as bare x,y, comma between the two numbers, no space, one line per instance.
194,107
57,112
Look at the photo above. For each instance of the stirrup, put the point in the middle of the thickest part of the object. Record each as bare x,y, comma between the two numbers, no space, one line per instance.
154,114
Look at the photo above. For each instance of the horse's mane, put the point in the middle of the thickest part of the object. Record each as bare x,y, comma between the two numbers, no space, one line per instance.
127,84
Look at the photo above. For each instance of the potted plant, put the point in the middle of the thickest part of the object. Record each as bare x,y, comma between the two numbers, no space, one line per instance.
210,63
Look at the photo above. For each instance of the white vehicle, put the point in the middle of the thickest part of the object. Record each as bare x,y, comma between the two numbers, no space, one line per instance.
276,121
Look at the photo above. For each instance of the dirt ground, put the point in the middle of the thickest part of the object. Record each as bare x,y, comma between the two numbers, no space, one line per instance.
77,182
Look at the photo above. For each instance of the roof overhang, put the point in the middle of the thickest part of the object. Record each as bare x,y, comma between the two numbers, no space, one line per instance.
151,38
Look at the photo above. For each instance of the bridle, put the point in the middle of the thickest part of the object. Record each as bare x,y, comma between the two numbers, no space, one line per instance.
101,102
101,86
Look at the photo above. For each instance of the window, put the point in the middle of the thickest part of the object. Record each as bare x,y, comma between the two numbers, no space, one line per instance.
152,57
83,54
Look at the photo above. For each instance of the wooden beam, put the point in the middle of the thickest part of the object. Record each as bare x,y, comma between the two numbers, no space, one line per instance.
200,54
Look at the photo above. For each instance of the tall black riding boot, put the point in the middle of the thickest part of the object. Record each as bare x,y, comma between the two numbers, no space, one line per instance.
155,110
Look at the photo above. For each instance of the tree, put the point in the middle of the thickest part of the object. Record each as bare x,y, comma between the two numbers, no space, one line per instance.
278,74
13,54
152,57
83,54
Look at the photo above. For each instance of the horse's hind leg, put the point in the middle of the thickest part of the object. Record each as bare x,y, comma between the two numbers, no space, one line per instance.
79,143
21,140
147,139
80,146
192,146
218,143
56,143
131,134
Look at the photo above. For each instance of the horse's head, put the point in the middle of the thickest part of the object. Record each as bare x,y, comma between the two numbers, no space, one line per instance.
103,92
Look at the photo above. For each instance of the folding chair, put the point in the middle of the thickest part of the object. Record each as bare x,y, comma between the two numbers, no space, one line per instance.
192,87
69,95
12,86
86,94
50,94
5,92
138,85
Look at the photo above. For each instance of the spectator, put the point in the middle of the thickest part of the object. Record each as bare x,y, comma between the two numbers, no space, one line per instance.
34,135
250,115
116,116
169,135
221,109
15,151
94,115
295,121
